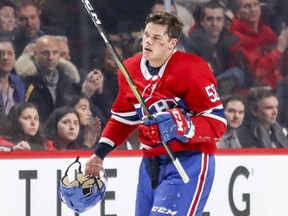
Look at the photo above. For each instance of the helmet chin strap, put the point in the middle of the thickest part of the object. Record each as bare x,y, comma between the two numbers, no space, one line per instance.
84,192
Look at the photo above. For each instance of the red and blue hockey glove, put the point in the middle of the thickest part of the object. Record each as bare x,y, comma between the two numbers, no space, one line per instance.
166,126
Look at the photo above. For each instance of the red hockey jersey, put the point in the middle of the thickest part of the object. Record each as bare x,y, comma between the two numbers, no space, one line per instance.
184,81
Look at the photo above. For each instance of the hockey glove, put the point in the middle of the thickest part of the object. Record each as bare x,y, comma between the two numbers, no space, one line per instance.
166,126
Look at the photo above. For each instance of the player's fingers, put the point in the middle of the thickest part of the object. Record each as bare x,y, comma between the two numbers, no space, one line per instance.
93,166
91,170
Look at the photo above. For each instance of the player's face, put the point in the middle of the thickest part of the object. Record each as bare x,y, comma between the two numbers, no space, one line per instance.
29,121
29,21
249,11
213,21
157,46
267,111
83,109
234,112
7,57
7,19
68,127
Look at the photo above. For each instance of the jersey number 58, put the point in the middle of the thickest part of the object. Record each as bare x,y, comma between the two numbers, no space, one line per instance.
212,93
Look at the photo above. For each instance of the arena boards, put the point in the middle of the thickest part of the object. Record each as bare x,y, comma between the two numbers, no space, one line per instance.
247,182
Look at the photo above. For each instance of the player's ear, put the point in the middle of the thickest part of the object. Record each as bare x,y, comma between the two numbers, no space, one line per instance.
173,43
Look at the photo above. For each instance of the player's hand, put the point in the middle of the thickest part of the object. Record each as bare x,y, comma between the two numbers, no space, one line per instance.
93,166
149,136
166,126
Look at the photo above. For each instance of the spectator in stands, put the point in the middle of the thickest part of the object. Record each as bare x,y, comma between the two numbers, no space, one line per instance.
12,88
22,129
158,6
90,127
101,86
47,77
234,108
260,48
93,86
29,25
65,54
63,47
62,129
7,19
106,93
212,41
260,128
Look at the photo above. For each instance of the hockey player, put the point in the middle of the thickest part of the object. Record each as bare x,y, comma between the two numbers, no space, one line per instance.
180,90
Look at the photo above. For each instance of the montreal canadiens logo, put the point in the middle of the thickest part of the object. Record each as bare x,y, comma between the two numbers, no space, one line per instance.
156,105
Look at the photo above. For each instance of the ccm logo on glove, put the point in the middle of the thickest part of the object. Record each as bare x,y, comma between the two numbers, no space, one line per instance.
180,120
166,126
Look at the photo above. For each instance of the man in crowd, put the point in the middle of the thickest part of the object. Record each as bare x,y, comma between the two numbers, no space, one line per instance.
46,77
262,50
29,25
260,128
11,86
234,110
212,41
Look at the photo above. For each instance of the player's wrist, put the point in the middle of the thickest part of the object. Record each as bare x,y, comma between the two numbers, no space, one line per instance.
190,132
102,150
191,128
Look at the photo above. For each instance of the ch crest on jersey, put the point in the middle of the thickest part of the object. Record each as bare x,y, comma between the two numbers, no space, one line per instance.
156,105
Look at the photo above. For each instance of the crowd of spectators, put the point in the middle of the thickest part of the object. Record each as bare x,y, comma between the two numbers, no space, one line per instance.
58,79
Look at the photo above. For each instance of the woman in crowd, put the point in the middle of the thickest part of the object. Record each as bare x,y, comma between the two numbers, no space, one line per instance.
21,131
90,127
62,129
106,71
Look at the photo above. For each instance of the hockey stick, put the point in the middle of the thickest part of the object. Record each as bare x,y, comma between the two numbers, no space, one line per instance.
133,87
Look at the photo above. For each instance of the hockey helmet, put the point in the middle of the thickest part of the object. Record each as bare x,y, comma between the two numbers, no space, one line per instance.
83,193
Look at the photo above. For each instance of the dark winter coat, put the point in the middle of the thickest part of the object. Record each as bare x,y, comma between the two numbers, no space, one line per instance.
217,55
252,135
37,91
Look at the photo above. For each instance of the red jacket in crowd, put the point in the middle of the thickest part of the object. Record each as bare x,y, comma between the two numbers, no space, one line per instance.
259,51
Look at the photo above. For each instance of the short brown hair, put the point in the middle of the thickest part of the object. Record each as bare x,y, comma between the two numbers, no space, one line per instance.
174,24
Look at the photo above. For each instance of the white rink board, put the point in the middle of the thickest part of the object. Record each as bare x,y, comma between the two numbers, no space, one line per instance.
259,189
